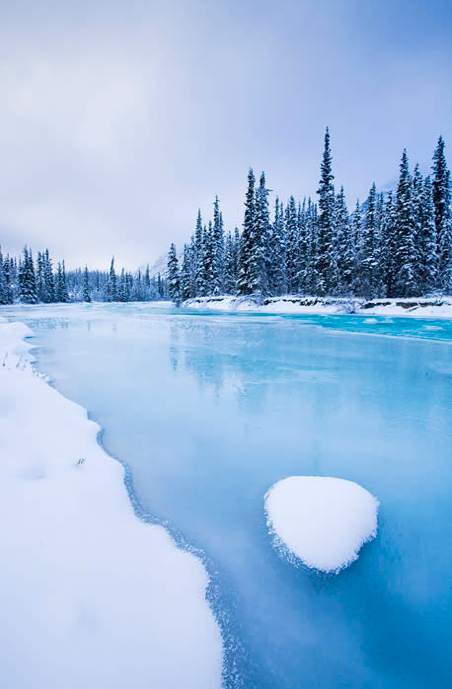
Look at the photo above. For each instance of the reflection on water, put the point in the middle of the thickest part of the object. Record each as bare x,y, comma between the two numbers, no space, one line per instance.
208,411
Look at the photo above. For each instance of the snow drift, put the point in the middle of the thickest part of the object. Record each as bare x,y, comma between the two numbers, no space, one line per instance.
90,596
321,521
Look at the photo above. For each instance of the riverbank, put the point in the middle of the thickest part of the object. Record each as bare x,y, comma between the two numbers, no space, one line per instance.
90,595
418,307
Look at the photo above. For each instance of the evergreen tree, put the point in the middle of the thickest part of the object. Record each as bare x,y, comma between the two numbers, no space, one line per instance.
370,249
427,256
173,275
291,232
278,282
200,281
230,274
49,280
443,222
185,277
244,284
259,259
217,249
61,287
325,234
344,246
86,290
389,246
27,279
112,285
405,257
311,278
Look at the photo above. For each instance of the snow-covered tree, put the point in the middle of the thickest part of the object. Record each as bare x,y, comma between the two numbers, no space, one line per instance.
244,284
405,256
173,275
325,234
443,220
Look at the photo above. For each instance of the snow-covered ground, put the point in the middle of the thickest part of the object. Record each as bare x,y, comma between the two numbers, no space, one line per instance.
419,307
322,521
90,596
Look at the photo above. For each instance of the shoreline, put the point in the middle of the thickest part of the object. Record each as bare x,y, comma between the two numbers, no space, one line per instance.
420,307
106,598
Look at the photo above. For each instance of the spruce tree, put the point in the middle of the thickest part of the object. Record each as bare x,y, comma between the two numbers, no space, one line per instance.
217,249
443,221
27,279
185,277
344,246
325,234
291,232
370,249
112,284
244,285
405,247
278,282
230,275
200,281
259,259
86,290
427,254
173,275
389,246
49,280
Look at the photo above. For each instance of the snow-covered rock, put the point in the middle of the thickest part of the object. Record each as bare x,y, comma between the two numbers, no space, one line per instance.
321,521
90,596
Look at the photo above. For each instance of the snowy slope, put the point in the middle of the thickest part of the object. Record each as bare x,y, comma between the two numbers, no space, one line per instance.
90,596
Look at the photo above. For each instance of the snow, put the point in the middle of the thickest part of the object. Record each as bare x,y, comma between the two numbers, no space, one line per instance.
90,596
321,521
419,307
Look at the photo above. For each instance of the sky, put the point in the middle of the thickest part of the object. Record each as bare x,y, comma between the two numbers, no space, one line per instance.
118,119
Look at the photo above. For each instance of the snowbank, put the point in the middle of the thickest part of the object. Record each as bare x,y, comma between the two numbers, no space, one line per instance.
418,307
90,596
321,521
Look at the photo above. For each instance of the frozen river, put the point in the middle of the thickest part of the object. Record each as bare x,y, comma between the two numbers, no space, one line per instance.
207,411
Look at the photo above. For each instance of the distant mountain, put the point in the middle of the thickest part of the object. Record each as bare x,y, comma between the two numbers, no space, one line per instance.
161,267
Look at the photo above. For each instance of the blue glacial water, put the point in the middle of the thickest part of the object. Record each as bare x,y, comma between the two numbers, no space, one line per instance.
209,410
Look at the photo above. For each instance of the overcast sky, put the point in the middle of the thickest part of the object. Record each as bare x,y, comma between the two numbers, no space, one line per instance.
119,119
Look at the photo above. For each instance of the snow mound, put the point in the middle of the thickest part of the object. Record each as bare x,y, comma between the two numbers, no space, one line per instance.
91,597
321,521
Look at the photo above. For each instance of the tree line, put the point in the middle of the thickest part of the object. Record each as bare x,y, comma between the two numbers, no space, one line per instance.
32,282
396,244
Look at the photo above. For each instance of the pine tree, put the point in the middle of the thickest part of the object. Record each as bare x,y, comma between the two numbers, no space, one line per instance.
259,259
27,279
405,247
230,275
325,234
86,290
112,284
244,285
311,278
61,287
173,275
370,249
49,280
185,277
389,246
443,221
217,249
291,232
200,282
344,246
427,254
278,282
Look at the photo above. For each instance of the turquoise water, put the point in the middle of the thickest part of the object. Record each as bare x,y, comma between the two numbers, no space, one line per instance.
209,410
